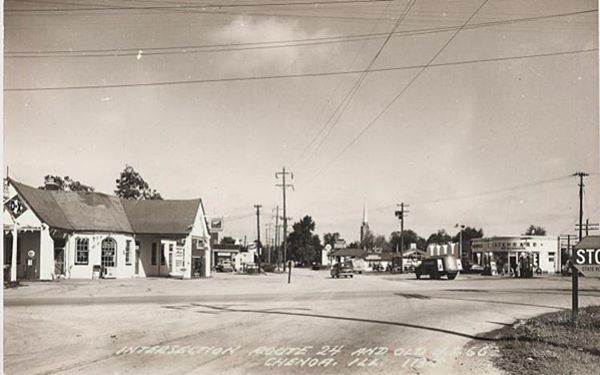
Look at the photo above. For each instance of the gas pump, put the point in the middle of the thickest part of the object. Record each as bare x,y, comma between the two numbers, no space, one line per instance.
31,270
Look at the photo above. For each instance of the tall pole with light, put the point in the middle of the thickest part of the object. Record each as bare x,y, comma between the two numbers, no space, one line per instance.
460,242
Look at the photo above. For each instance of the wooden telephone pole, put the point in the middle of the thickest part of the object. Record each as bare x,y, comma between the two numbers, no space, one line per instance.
284,187
258,246
574,270
400,215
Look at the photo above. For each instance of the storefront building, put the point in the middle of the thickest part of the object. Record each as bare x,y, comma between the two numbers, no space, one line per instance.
505,252
224,253
82,235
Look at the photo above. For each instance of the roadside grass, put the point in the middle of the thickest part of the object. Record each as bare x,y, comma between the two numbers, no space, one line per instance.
550,344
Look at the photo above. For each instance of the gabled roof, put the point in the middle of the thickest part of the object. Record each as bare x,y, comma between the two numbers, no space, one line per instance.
414,251
348,252
98,212
589,242
44,205
226,247
382,256
161,216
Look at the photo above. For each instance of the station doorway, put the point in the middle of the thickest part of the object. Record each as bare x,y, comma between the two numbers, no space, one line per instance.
198,269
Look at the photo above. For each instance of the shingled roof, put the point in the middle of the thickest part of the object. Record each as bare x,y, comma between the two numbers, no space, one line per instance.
98,212
161,216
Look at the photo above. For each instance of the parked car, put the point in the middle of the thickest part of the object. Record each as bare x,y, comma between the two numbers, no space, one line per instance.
476,268
566,269
469,267
358,266
224,267
342,269
438,266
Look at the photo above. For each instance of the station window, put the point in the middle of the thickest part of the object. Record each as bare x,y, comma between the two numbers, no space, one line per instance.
128,252
109,252
82,251
163,261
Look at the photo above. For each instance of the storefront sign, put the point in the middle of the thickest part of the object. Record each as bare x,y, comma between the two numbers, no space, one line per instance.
15,206
179,252
216,224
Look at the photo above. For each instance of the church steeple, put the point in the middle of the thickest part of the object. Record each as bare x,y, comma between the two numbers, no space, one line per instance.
364,227
365,219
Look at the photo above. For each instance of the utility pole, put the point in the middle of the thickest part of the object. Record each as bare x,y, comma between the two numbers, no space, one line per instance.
277,234
284,187
258,246
268,236
460,241
589,226
574,270
400,215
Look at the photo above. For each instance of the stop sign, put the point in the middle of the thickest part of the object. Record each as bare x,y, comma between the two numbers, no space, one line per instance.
587,256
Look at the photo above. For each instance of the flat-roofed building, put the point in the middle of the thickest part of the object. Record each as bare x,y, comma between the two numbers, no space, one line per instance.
505,251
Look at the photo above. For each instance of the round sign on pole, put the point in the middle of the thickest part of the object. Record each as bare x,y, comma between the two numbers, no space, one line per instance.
31,253
328,247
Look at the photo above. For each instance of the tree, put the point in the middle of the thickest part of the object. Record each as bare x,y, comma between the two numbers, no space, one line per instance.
303,245
226,240
440,237
468,234
354,245
368,240
330,238
52,182
535,231
381,242
410,237
131,185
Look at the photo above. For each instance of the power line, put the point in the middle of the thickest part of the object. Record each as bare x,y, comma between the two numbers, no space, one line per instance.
210,11
299,75
480,194
198,6
406,87
132,51
331,96
341,107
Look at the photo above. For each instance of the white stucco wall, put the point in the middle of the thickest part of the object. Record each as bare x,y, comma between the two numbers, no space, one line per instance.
543,245
46,254
84,271
199,229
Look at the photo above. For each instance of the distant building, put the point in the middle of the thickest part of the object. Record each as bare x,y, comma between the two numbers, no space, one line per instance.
340,243
223,252
505,251
342,255
449,248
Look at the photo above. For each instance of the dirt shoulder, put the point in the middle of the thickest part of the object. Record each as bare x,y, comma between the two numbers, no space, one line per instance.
548,344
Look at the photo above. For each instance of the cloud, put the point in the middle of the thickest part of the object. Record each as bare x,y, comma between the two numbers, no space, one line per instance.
295,59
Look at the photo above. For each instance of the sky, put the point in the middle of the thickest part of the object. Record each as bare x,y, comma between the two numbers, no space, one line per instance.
481,125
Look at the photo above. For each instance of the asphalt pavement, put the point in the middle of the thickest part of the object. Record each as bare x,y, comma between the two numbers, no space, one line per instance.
232,324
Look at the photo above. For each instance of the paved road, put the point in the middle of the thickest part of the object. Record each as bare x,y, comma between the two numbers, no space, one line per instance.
368,325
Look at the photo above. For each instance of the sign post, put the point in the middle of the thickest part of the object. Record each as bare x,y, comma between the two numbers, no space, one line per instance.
587,256
586,259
